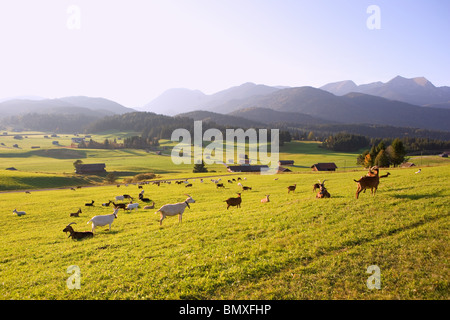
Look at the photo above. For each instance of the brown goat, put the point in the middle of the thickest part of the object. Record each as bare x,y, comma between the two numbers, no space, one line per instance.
76,214
368,182
316,186
76,235
292,188
323,193
266,199
234,201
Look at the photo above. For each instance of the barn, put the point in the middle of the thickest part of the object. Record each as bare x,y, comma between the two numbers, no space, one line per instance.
286,162
247,168
324,166
90,168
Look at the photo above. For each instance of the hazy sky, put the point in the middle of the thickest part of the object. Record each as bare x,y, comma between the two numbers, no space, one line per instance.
131,51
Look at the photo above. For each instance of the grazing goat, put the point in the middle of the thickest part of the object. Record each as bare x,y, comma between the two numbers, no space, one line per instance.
76,214
188,185
77,235
120,206
368,182
90,204
246,188
292,188
266,199
169,210
323,193
103,220
220,185
19,213
127,196
235,202
132,206
119,198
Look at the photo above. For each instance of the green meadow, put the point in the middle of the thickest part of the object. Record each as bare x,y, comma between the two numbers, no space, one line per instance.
293,247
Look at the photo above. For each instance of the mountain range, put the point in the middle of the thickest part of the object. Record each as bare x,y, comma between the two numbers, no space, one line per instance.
400,102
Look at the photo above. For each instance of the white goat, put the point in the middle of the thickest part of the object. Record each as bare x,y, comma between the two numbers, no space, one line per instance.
132,206
103,220
19,213
119,198
174,209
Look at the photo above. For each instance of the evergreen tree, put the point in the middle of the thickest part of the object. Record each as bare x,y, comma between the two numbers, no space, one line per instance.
200,167
382,159
397,152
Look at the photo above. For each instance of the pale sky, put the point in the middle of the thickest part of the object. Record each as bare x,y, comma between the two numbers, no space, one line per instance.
131,51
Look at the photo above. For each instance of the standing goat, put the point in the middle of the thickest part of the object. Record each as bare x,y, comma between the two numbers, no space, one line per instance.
368,182
76,235
103,220
169,210
234,201
292,188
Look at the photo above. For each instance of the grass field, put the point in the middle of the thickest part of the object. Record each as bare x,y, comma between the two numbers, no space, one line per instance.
294,247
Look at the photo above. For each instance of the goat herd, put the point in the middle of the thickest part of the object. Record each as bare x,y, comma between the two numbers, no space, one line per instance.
370,181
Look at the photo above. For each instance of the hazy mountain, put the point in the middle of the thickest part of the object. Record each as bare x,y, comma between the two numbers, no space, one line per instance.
176,101
417,91
270,116
69,105
351,108
222,119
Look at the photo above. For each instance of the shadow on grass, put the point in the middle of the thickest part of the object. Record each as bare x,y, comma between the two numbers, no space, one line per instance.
418,196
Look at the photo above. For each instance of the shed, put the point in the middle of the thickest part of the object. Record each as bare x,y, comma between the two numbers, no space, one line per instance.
325,166
247,168
407,165
90,168
286,162
282,169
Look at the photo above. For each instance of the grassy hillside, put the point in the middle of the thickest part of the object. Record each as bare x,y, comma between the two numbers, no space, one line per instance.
294,247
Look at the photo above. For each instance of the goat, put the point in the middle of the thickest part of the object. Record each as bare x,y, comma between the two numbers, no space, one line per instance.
103,220
292,188
77,235
266,199
316,186
132,206
19,213
76,214
119,198
234,201
106,204
368,182
323,193
127,196
120,205
150,207
246,188
220,185
188,185
141,197
169,210
90,204
418,171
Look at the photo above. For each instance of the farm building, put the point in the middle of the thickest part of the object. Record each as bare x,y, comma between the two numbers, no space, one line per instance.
90,168
326,166
282,169
247,168
407,165
286,162
77,140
